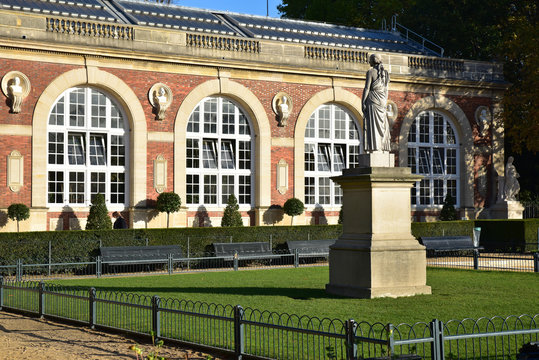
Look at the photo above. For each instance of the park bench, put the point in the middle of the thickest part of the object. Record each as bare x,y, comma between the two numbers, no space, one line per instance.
243,249
117,255
443,244
309,247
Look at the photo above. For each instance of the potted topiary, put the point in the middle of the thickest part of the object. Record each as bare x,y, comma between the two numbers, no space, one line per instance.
168,202
18,212
293,207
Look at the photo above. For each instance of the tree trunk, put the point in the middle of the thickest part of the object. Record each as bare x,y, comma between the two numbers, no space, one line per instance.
168,219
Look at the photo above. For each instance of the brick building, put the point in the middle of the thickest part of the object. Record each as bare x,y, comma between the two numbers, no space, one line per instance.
132,98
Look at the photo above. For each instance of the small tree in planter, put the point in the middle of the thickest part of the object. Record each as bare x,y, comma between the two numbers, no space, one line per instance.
168,202
293,207
18,212
448,212
340,217
232,216
98,218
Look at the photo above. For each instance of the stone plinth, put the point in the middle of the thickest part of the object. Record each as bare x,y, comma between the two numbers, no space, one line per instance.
377,255
507,209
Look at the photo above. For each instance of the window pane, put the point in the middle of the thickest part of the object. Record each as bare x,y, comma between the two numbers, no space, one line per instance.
450,134
438,191
210,189
338,157
340,124
451,161
338,193
76,187
245,190
210,116
310,191
424,128
324,188
77,107
353,156
245,155
324,158
227,187
424,160
310,130
227,155
117,149
324,122
99,109
309,157
244,125
193,189
192,154
209,154
412,157
438,161
56,148
56,187
116,119
97,150
412,135
228,118
117,188
438,129
353,133
57,114
424,192
97,184
75,149
194,121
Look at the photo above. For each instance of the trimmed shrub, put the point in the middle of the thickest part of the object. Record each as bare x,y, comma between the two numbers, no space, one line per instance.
449,213
168,202
293,207
98,218
231,215
18,212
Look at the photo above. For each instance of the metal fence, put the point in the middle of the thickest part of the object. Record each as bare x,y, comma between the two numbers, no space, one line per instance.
251,333
170,265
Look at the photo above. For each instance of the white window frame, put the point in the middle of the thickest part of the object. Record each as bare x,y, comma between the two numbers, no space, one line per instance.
220,139
431,145
329,147
86,132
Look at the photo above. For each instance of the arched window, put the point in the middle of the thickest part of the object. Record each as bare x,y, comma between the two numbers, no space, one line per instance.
219,154
87,147
332,142
433,152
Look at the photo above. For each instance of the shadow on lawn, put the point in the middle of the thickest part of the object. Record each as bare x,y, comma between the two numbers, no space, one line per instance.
297,294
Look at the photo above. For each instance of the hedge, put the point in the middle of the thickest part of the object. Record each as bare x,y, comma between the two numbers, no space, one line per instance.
32,247
84,245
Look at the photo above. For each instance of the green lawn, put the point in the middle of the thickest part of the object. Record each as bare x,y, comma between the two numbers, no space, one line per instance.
456,294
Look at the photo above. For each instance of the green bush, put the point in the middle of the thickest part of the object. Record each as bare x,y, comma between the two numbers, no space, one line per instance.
443,228
98,218
168,202
293,207
18,212
448,213
231,215
509,235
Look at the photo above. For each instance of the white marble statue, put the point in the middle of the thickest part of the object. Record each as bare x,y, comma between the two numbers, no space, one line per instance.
161,102
374,106
511,185
283,111
15,94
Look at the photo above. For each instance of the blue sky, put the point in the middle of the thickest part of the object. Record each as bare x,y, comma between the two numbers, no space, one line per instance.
251,7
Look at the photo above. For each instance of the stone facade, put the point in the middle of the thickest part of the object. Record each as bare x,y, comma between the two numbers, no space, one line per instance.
125,61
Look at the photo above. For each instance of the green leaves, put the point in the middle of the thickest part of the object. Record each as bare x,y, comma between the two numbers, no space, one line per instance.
168,202
231,215
98,218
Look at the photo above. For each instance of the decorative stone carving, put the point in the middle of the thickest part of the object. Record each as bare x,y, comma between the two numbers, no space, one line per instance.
511,186
15,173
160,97
282,106
374,106
282,176
483,117
160,174
16,87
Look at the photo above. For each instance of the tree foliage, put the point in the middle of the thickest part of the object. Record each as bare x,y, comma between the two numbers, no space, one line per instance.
232,216
98,218
448,213
168,202
293,207
18,212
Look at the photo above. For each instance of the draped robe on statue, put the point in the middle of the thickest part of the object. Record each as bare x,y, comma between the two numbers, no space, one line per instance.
375,117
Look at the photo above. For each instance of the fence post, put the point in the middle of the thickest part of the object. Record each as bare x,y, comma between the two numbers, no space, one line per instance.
475,259
296,258
1,292
437,331
98,266
170,264
238,332
156,316
188,256
536,262
351,347
18,275
50,257
390,340
41,288
92,308
236,256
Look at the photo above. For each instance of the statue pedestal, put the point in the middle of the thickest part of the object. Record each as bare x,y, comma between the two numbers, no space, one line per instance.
507,209
377,256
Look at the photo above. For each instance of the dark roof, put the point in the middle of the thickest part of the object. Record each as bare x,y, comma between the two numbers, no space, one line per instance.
149,13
